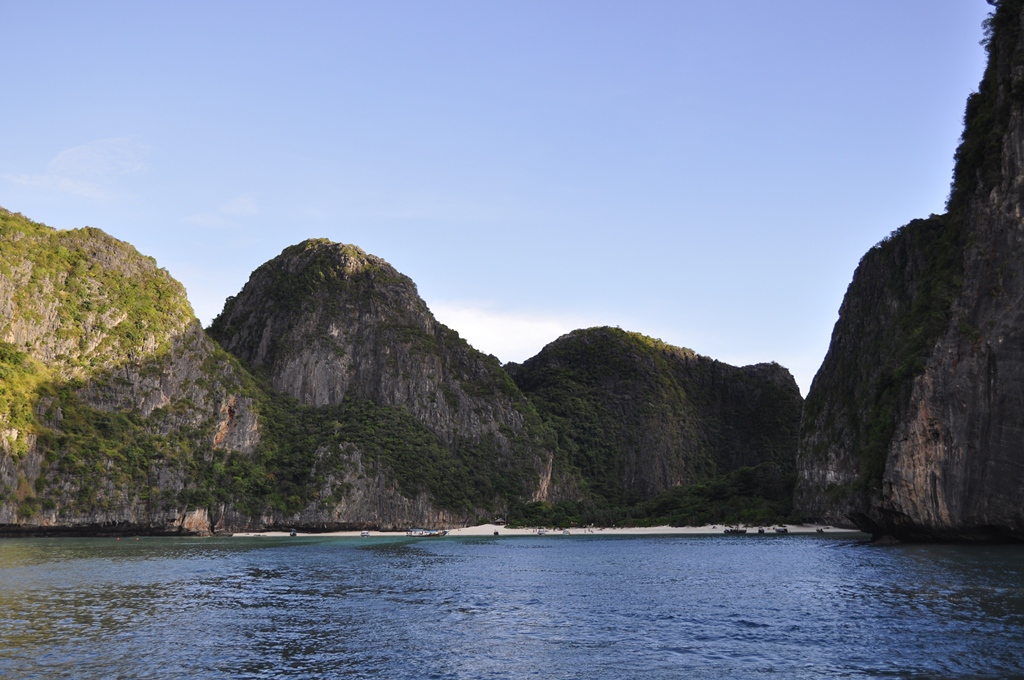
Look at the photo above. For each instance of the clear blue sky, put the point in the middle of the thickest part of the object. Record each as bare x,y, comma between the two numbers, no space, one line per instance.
708,173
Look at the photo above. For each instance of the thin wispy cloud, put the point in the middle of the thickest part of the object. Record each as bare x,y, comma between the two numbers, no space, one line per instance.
89,170
227,214
510,336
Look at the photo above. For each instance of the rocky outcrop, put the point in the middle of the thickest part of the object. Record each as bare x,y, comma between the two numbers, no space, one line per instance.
325,322
119,414
914,426
637,416
891,314
81,300
111,389
340,403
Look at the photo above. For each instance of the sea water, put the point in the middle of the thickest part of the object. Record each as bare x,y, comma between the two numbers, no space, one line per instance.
580,606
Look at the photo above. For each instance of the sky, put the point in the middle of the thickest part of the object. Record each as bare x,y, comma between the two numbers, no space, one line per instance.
706,173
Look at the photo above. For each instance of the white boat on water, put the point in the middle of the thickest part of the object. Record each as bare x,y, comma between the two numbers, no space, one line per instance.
426,533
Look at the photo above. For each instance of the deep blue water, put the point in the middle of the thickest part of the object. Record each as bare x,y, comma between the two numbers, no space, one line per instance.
585,607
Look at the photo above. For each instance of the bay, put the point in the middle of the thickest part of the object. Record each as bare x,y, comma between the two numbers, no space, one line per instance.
586,607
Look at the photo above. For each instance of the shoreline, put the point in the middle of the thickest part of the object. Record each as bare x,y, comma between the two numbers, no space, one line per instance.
501,530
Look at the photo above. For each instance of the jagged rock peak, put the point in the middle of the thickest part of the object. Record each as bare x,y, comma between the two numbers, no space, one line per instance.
321,314
322,283
306,296
345,258
326,323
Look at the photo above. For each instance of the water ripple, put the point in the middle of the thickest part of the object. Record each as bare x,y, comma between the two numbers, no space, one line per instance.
586,607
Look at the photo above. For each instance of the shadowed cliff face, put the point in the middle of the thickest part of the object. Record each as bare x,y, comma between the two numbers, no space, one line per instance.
637,416
326,323
914,425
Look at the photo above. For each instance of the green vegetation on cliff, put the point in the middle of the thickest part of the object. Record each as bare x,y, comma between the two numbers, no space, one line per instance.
333,326
116,407
602,392
20,378
748,495
93,330
900,302
648,425
978,159
83,296
904,289
302,445
79,306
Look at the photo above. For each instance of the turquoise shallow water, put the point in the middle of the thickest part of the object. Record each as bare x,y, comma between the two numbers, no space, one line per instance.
583,607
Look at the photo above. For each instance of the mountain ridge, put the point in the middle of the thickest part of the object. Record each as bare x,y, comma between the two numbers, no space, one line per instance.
344,405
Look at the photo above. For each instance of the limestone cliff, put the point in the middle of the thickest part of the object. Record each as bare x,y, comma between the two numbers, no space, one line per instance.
118,413
914,425
637,416
101,360
328,324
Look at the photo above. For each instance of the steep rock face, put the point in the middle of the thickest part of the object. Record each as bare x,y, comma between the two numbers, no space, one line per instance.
327,323
915,423
101,363
370,498
81,299
637,416
119,414
890,315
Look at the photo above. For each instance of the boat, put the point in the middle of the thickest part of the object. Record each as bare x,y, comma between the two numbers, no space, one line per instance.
541,532
781,530
426,533
364,534
735,530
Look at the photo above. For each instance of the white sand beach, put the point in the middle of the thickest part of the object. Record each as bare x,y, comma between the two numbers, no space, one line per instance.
500,530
